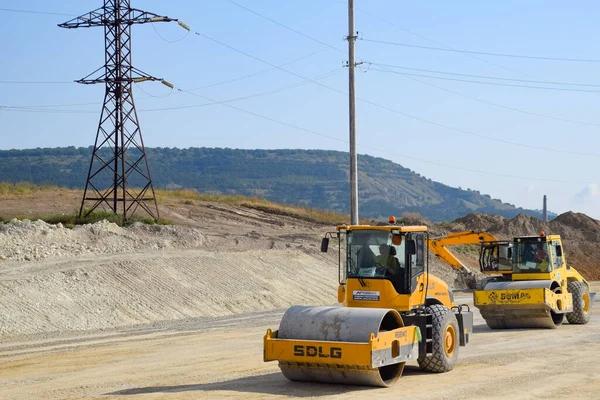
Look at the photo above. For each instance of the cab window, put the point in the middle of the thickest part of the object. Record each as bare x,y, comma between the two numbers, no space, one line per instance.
532,257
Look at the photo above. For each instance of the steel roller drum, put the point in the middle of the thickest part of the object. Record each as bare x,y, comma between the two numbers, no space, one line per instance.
340,324
532,316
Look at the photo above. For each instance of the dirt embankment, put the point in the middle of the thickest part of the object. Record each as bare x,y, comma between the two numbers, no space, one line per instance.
218,260
101,276
226,260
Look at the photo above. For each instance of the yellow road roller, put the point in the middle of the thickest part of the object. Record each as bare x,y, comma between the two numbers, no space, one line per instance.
532,286
391,310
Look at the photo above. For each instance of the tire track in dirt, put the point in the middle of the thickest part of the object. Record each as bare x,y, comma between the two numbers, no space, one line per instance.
129,289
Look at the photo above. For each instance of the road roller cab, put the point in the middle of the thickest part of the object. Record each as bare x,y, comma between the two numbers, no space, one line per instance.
391,311
385,267
536,290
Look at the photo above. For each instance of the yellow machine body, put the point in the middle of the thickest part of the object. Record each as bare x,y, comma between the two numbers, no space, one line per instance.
536,294
380,293
341,355
524,298
351,290
391,311
376,362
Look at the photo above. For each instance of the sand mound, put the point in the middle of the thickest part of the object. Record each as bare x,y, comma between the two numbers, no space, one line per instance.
479,222
123,290
36,240
102,276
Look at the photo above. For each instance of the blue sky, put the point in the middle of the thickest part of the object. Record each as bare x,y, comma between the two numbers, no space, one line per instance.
493,148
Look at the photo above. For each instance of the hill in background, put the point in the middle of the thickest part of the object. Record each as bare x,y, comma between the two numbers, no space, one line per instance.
309,178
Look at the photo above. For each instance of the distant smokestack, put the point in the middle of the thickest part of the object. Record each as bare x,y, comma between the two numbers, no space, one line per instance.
545,209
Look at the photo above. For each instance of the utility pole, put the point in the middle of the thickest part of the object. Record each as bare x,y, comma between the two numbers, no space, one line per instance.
352,114
118,163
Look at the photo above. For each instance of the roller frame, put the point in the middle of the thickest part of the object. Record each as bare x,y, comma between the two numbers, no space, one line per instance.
387,348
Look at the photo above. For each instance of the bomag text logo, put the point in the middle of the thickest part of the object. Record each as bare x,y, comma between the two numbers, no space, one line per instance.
515,296
493,296
317,351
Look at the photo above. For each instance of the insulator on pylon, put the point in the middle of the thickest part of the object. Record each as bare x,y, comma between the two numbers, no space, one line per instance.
184,26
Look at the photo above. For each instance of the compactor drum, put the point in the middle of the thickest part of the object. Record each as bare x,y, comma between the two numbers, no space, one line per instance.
392,311
538,291
361,346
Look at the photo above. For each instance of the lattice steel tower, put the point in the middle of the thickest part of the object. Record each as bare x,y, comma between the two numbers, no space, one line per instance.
119,163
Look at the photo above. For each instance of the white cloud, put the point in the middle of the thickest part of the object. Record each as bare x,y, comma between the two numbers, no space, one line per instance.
588,200
590,193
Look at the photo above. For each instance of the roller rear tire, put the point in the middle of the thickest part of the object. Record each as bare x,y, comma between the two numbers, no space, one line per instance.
445,342
581,303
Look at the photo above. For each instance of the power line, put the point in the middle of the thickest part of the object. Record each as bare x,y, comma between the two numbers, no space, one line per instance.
474,57
485,76
483,53
314,132
296,127
487,83
259,115
256,73
255,58
225,103
34,82
466,132
404,156
35,12
167,40
194,89
273,91
500,105
448,73
44,111
265,93
285,26
54,105
152,95
475,134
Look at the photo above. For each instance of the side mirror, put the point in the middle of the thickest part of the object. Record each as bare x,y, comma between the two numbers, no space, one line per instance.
559,251
411,247
324,244
509,253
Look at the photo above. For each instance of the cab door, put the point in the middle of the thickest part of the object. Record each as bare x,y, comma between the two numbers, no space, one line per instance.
416,261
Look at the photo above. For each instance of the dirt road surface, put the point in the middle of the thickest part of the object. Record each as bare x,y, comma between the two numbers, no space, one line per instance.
221,358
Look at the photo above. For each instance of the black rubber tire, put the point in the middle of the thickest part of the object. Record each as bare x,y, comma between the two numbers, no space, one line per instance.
439,361
579,316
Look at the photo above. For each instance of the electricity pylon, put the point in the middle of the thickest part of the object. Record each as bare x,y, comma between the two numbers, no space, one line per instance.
119,156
